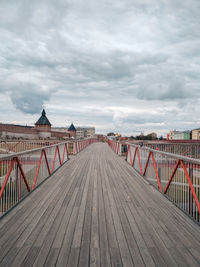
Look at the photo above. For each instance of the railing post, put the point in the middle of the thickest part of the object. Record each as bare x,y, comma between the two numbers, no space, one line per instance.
190,193
17,182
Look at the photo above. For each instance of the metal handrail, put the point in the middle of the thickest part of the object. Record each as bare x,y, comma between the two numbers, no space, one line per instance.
189,149
175,156
11,155
175,176
22,172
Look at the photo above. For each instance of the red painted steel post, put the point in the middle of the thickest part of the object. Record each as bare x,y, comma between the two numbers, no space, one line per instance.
38,168
191,167
129,150
54,160
23,175
59,155
172,175
138,153
147,163
156,171
134,157
47,163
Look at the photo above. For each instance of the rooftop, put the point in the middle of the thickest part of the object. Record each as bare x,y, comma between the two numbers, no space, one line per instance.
43,119
72,128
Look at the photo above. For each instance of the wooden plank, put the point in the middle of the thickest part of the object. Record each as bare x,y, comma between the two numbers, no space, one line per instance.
120,202
79,226
73,257
66,246
19,257
114,251
22,228
47,246
7,261
94,257
58,209
55,234
86,234
30,257
94,243
103,237
52,258
125,253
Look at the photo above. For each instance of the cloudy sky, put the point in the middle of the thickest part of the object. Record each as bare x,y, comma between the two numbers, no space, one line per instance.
125,66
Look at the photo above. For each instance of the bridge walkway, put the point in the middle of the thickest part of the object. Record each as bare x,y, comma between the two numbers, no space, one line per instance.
96,211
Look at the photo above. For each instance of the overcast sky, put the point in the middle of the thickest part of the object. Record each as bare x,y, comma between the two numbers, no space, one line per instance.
125,66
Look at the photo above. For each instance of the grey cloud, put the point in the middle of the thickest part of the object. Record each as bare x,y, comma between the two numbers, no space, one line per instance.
103,53
29,99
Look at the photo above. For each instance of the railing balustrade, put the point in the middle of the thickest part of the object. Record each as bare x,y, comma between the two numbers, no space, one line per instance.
116,146
8,147
189,148
176,176
20,173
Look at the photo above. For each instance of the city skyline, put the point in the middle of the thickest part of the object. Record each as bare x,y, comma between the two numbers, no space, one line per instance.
126,67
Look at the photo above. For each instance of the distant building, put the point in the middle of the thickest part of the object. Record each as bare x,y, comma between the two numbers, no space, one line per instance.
112,137
59,129
42,130
90,132
43,126
152,136
100,137
196,134
12,131
118,135
85,132
171,135
72,130
123,138
78,132
179,135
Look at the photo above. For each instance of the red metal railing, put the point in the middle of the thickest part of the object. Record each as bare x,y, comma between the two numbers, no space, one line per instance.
80,145
116,146
7,147
21,172
176,176
188,148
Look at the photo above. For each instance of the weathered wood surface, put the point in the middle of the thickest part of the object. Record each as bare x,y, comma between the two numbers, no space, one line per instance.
96,211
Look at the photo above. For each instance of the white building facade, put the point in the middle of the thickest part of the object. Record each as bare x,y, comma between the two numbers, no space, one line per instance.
85,132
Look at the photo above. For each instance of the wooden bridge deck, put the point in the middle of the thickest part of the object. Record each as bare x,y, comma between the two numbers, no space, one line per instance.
96,211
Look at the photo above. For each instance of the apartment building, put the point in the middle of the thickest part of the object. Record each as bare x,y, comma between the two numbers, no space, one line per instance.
196,134
179,135
85,132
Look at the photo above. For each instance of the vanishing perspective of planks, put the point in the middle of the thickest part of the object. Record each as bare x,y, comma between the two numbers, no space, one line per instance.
97,211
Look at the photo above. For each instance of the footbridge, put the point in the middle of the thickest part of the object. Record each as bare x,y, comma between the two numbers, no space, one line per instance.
97,208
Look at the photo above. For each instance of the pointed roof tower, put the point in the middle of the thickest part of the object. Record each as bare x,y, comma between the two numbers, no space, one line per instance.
43,119
72,128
